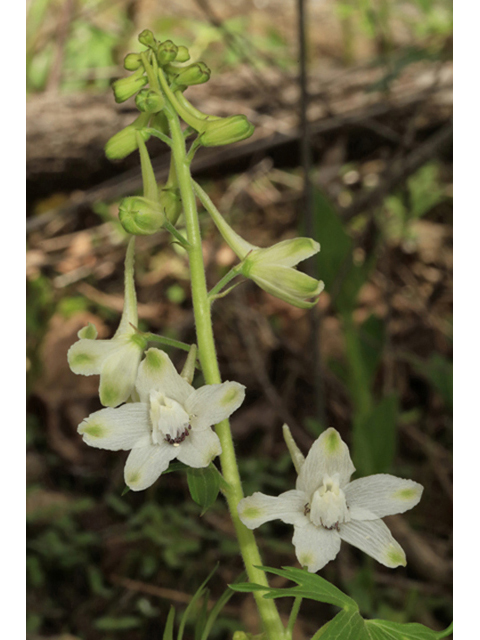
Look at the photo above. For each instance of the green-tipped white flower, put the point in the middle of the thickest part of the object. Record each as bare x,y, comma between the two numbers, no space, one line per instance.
171,420
326,508
273,268
117,359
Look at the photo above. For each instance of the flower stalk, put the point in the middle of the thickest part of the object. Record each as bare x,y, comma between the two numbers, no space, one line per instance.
208,358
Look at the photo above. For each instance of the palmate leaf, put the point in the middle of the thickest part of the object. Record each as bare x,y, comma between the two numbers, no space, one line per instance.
309,585
349,625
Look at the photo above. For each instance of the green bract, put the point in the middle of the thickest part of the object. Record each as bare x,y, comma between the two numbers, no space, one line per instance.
140,216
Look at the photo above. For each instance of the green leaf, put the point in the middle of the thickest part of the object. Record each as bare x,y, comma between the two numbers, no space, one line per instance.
309,586
347,625
197,595
372,340
108,623
217,608
204,485
385,630
439,372
201,617
343,278
168,631
374,437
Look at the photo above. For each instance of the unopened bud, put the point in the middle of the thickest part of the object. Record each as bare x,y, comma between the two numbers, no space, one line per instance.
182,54
197,73
149,101
140,216
147,38
226,131
125,88
124,142
166,52
171,203
132,62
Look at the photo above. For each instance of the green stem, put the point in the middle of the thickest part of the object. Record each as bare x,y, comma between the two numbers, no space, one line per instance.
293,616
233,273
208,358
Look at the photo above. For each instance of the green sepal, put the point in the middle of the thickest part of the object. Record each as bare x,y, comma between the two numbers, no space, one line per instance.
166,52
197,73
183,54
132,62
125,142
149,101
171,203
125,88
147,38
226,131
204,485
140,216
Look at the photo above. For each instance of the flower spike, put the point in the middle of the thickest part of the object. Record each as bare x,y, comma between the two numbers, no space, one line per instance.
117,359
326,508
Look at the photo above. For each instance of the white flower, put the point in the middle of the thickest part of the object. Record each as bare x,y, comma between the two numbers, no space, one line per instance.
326,508
117,359
171,420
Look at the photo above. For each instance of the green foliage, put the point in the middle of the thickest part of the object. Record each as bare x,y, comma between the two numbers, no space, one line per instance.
168,631
309,585
342,276
204,485
438,370
348,624
374,437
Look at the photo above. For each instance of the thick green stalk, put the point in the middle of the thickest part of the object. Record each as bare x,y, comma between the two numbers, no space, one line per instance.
208,358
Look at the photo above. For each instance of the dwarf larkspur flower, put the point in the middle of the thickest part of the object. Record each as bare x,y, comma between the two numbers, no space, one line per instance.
117,359
326,508
170,420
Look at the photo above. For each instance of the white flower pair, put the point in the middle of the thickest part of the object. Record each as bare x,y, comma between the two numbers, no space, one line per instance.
164,416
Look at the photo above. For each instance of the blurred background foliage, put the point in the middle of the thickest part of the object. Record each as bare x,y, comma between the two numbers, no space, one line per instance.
105,565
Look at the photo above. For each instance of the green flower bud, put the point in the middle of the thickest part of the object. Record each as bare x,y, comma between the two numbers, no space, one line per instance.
182,54
197,73
149,101
147,38
132,62
171,203
125,88
140,216
124,142
166,52
226,131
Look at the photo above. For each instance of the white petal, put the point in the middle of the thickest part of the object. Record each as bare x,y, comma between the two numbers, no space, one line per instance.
213,403
374,537
199,449
315,546
157,373
328,455
145,464
381,495
288,253
118,373
114,429
86,356
259,508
